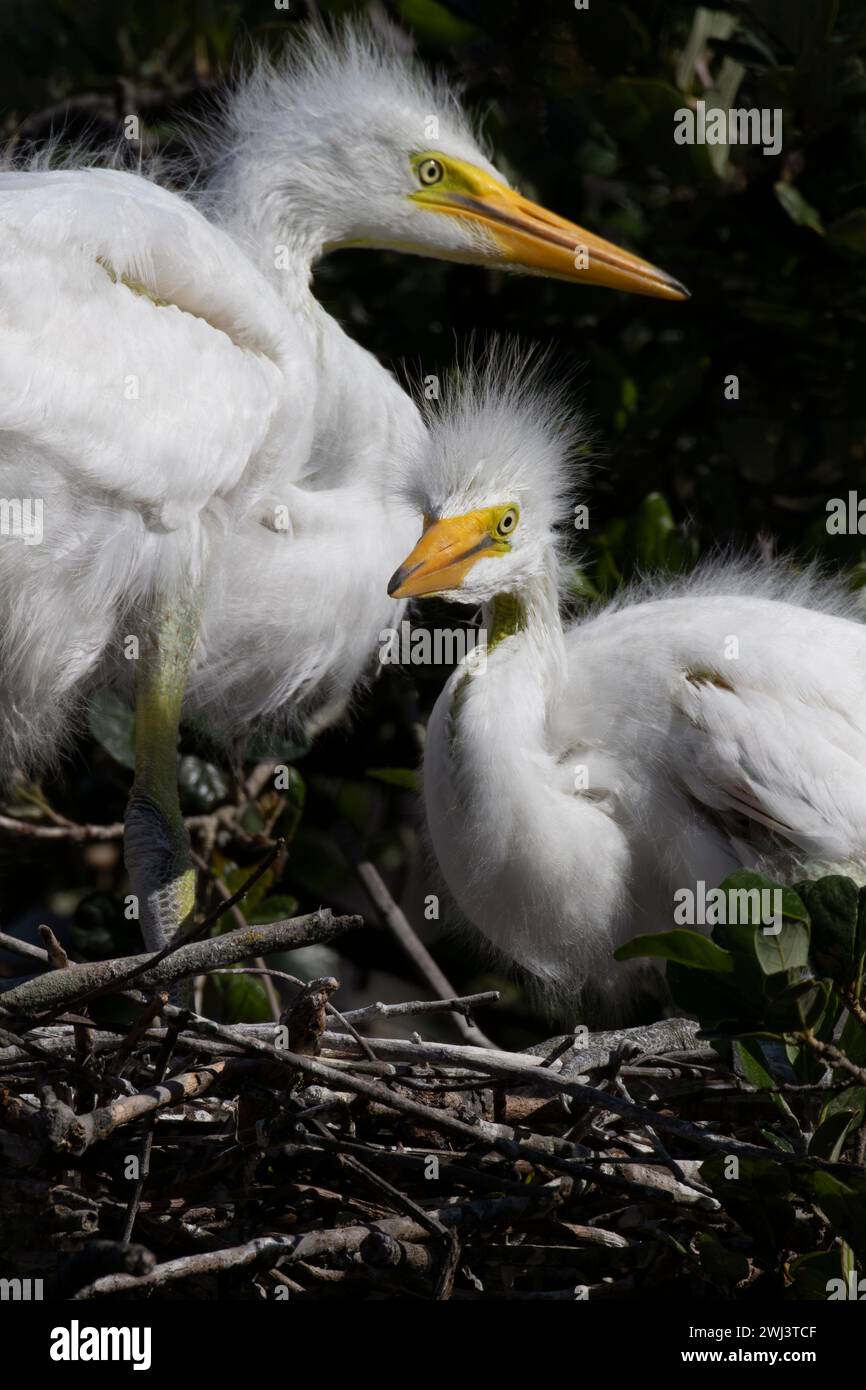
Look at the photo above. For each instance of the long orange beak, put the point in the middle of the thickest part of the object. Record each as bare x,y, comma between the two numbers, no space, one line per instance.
445,554
532,239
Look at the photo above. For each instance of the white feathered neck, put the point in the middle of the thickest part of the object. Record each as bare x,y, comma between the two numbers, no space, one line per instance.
303,142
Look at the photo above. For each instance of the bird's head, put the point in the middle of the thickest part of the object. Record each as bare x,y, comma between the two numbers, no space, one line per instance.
356,142
492,483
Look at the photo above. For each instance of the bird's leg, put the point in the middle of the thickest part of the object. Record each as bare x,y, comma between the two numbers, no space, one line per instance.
155,841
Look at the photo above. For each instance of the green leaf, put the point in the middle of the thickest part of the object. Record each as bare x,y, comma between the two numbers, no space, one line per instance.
641,111
803,1005
234,881
829,1138
236,999
407,777
292,787
652,532
833,903
797,208
273,909
753,1063
757,955
112,724
849,231
264,744
787,949
684,947
844,1203
755,1177
811,1274
851,1101
777,1140
713,998
723,1267
435,22
202,785
580,586
852,1041
744,880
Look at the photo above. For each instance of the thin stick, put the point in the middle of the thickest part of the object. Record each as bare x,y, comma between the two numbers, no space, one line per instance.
63,989
23,948
147,1139
833,1055
399,925
347,1239
77,832
461,1004
230,904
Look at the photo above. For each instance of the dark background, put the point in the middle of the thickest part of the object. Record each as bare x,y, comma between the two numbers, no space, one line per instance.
579,105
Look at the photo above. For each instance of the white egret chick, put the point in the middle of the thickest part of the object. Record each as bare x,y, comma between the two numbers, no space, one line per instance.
208,450
586,770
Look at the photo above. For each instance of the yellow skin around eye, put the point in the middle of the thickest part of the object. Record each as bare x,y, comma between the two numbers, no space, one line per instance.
524,235
449,548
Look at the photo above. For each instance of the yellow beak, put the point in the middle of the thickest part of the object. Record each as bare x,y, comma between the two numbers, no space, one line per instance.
445,553
539,241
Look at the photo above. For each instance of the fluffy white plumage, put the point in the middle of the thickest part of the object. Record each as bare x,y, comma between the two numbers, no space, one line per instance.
173,400
137,426
590,768
311,152
172,391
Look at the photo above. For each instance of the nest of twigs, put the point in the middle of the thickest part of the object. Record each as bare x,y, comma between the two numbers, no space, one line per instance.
311,1159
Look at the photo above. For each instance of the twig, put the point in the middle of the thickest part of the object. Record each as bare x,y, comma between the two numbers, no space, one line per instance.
230,904
400,927
317,1244
502,1137
71,830
23,948
427,1219
832,1055
147,1139
69,987
96,1125
460,1004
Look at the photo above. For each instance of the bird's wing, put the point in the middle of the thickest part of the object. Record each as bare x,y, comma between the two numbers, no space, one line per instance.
141,353
795,766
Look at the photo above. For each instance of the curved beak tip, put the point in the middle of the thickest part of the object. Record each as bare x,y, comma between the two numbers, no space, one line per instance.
398,579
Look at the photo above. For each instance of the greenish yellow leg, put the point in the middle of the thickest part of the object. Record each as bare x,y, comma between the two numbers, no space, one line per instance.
156,843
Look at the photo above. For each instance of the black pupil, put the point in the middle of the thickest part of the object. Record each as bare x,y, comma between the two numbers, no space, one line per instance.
430,170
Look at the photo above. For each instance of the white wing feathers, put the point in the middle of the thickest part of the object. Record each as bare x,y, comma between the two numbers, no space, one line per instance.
141,354
152,387
797,768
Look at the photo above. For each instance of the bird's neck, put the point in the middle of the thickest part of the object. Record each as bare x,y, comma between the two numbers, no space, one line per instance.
491,771
532,618
523,669
504,617
278,225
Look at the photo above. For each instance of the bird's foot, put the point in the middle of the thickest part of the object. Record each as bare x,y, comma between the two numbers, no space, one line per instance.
161,875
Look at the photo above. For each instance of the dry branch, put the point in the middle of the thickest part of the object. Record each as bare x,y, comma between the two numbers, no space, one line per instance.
65,987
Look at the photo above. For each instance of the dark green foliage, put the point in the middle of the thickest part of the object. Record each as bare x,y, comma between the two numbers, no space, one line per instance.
785,1008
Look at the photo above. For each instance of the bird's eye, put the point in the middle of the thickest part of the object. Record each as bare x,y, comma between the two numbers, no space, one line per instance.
430,171
507,522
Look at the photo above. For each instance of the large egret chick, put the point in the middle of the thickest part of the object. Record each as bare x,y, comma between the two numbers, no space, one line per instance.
350,141
585,771
209,451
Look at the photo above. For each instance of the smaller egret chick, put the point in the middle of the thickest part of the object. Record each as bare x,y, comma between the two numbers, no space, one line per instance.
585,771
